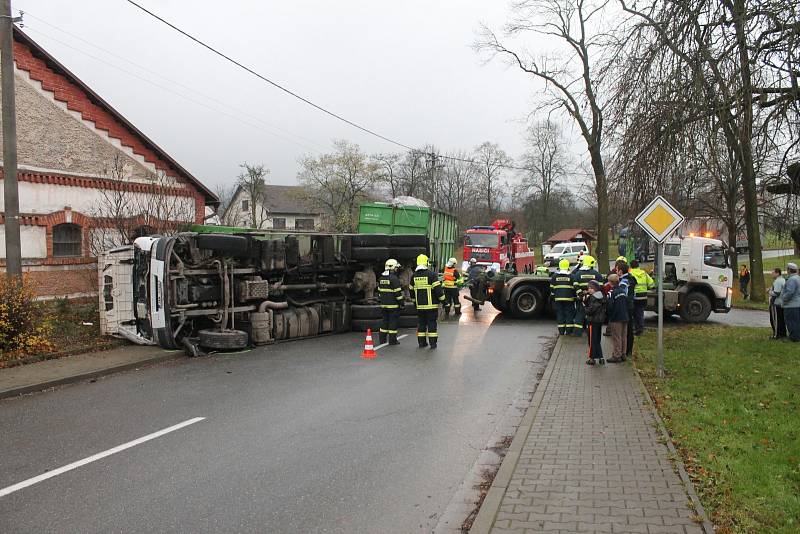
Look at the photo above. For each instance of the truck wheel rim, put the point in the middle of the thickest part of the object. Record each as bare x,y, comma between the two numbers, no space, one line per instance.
695,308
526,302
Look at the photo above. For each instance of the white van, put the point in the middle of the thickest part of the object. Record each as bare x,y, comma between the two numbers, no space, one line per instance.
571,251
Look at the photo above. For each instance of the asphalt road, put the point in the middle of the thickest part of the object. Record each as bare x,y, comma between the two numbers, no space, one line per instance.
297,437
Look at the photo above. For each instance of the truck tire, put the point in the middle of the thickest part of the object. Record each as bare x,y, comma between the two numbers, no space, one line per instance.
365,311
370,240
407,321
498,304
696,307
223,340
408,240
526,302
406,253
361,325
379,254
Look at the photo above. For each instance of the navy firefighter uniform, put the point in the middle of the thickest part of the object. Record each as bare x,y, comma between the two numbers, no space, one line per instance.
563,293
580,279
390,293
426,290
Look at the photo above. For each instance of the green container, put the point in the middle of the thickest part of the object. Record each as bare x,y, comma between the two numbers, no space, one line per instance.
440,227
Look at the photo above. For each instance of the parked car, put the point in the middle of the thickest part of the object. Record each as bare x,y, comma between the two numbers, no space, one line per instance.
571,251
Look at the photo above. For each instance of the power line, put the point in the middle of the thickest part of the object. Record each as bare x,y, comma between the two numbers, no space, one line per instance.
264,78
303,99
243,113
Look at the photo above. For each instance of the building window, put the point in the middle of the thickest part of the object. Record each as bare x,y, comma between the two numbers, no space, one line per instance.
279,223
108,289
304,224
67,241
245,205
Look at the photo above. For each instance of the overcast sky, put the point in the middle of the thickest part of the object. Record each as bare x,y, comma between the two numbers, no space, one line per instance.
405,69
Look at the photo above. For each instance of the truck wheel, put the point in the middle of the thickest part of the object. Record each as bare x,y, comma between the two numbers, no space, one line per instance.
361,325
498,304
408,240
370,253
370,240
365,311
696,307
231,245
222,340
526,302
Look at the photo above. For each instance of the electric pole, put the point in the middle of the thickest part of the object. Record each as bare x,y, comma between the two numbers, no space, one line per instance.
10,188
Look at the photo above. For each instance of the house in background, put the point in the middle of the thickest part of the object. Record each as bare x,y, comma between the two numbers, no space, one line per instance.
279,207
80,162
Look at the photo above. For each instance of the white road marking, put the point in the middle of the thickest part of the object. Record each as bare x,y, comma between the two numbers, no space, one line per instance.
386,344
95,457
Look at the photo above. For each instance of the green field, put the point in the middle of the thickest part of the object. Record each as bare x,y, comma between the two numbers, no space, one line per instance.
731,404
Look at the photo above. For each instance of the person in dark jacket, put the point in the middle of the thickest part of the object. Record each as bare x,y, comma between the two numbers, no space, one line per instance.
476,278
562,291
426,290
390,293
628,283
595,304
744,281
580,279
618,318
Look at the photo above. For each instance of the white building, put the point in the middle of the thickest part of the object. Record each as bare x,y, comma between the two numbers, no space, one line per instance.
280,207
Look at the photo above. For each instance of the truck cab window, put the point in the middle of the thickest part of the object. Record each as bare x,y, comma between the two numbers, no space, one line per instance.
715,256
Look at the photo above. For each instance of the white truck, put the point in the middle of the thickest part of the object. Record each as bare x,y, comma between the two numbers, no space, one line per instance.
697,281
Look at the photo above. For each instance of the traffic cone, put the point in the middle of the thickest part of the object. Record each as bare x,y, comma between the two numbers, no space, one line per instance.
369,350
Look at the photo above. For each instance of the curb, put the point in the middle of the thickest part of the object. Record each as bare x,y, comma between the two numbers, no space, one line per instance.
32,388
491,503
706,524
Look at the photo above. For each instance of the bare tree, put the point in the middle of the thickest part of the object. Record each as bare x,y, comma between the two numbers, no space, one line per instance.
723,59
546,162
252,182
337,182
573,78
459,191
160,206
491,161
225,193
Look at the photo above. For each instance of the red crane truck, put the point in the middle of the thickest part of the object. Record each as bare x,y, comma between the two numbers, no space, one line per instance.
499,244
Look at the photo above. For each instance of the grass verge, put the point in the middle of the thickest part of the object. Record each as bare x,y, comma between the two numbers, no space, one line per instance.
731,405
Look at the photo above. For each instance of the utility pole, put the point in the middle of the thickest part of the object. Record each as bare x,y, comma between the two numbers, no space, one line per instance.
10,188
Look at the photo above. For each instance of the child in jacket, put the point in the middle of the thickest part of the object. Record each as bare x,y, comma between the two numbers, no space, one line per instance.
595,304
618,319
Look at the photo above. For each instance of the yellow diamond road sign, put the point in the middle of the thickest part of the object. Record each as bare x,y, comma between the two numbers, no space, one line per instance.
659,219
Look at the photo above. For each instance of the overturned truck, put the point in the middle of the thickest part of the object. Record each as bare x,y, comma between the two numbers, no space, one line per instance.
225,291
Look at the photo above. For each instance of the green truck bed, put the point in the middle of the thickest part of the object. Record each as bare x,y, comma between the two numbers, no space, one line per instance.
440,227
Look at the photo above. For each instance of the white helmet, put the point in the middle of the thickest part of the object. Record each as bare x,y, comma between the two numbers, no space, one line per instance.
473,261
391,265
451,262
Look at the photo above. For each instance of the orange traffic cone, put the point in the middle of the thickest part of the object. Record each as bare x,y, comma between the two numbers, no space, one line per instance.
369,350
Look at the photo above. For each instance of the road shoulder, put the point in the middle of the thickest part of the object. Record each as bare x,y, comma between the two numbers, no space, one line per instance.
39,376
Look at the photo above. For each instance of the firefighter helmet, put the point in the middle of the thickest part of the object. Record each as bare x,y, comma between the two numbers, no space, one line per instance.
564,264
451,262
422,259
392,264
589,261
473,261
622,258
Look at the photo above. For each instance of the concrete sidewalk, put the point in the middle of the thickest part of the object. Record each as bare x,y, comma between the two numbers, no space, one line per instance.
590,456
42,375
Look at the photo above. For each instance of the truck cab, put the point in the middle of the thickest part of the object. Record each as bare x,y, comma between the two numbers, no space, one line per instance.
697,278
498,244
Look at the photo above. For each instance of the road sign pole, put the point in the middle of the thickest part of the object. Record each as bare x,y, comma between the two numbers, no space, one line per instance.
660,370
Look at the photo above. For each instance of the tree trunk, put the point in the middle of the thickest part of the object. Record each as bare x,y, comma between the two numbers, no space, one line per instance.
733,256
757,285
601,190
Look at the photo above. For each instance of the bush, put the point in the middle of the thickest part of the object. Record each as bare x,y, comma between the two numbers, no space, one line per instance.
23,328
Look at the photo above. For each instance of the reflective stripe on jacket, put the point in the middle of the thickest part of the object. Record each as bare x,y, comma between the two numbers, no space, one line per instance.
451,275
643,282
561,287
390,292
426,290
581,278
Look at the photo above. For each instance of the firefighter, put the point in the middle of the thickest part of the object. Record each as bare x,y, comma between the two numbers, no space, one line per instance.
426,291
563,292
476,278
644,283
390,293
451,282
580,280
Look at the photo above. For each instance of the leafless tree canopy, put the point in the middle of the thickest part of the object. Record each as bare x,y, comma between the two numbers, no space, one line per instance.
252,181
